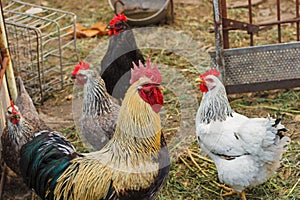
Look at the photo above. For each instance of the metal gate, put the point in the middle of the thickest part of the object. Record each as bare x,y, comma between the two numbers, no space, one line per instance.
255,68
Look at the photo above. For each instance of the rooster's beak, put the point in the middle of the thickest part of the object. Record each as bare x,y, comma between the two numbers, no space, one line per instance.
161,88
198,80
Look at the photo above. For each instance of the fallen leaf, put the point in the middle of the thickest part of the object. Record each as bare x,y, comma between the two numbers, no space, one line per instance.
83,32
79,30
102,28
89,33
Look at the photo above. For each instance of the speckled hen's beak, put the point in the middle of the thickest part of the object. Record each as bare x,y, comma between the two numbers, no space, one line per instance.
198,80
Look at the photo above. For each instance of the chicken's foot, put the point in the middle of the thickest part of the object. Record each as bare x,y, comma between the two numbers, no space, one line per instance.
229,193
226,188
232,192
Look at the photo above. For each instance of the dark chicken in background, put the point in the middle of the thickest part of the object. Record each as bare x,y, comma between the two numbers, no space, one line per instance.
99,115
16,133
117,62
134,164
22,121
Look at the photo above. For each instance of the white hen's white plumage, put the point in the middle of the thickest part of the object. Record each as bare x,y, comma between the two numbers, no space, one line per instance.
246,151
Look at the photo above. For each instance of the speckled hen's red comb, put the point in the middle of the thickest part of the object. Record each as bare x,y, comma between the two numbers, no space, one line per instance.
13,109
214,72
80,66
150,70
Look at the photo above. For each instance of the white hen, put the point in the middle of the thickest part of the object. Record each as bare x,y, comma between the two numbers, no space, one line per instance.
246,151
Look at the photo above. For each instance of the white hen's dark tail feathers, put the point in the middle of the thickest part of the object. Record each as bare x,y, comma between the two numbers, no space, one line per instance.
275,141
275,144
280,128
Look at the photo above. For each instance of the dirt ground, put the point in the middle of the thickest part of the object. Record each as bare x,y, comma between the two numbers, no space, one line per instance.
57,111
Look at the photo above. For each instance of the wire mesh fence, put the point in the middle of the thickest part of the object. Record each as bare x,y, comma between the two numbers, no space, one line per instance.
42,42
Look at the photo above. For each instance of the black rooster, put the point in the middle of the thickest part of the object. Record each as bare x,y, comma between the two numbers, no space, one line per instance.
122,51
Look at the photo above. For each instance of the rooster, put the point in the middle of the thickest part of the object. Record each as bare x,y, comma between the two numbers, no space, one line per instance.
132,165
99,115
122,51
246,151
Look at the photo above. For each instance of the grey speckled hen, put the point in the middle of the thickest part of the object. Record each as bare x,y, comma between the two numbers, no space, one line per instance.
99,112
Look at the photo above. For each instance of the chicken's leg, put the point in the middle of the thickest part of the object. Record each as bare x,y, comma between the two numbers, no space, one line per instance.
229,190
243,195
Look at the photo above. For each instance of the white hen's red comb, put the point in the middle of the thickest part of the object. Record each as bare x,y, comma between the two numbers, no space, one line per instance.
213,71
150,71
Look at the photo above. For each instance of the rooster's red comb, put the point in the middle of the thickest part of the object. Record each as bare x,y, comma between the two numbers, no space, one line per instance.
80,66
13,109
150,71
118,18
213,71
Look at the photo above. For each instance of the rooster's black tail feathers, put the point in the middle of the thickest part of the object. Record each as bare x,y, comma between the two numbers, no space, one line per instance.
44,159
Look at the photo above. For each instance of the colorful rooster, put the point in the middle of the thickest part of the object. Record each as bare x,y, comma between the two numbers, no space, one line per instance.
132,165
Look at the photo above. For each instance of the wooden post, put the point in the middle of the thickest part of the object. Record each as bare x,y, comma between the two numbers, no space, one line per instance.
219,39
8,87
9,70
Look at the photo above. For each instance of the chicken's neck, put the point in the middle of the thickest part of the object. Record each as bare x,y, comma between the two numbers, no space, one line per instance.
96,100
20,133
214,106
138,131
